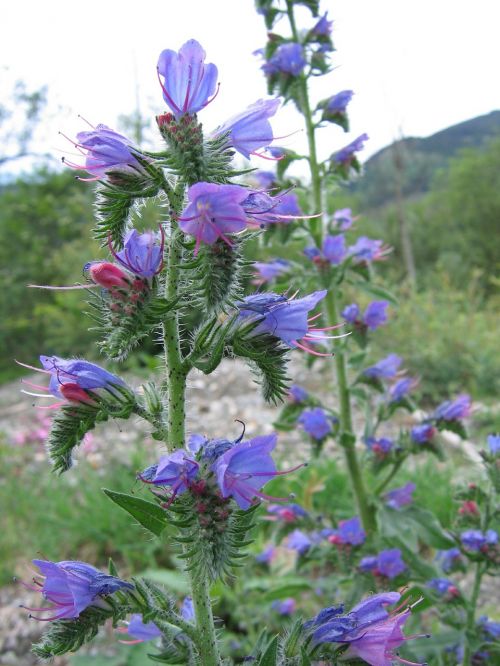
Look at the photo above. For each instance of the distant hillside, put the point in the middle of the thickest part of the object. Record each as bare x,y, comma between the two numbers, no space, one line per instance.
411,163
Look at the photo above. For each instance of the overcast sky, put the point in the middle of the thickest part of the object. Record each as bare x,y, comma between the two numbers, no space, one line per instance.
416,66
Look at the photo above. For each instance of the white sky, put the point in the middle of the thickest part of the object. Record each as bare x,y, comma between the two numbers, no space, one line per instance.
416,66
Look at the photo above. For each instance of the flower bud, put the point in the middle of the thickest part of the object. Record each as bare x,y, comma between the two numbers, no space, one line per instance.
74,393
108,275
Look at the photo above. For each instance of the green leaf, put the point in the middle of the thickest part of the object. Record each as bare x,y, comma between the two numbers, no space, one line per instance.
288,590
150,515
429,527
270,655
378,291
173,580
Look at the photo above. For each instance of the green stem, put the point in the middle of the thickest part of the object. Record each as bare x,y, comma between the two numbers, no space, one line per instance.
383,484
200,593
471,612
357,484
316,224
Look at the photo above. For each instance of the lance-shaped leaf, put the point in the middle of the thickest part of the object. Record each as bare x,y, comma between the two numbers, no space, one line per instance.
148,514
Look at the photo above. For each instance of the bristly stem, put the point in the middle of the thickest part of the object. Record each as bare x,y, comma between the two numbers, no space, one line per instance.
316,224
366,511
316,229
471,612
175,384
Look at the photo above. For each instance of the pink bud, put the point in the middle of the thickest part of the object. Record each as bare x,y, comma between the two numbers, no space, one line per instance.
108,275
74,393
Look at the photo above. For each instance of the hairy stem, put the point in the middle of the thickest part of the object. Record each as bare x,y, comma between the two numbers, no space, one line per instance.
366,511
383,484
471,612
316,224
200,593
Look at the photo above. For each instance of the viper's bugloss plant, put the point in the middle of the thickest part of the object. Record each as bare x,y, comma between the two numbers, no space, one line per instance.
203,496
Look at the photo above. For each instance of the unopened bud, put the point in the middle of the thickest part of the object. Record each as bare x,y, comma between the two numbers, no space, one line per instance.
108,275
75,393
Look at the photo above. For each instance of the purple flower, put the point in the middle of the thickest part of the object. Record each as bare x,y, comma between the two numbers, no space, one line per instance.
187,609
323,27
334,249
266,556
283,318
399,497
345,155
188,83
288,59
349,532
343,218
375,314
142,254
288,513
351,313
494,444
312,253
491,628
269,270
78,376
423,433
297,393
491,537
368,249
442,586
251,129
380,447
141,631
337,104
176,470
401,388
390,563
448,558
213,211
105,151
368,563
196,442
284,607
245,468
473,540
265,179
73,586
316,422
385,368
299,541
264,209
454,410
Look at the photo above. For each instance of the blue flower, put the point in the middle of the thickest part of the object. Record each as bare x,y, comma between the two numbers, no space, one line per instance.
399,497
176,470
297,393
345,155
73,586
454,410
142,254
287,59
188,84
367,249
250,129
448,558
285,606
269,270
401,388
343,217
390,563
381,446
351,313
423,433
266,556
316,422
349,532
386,368
334,249
473,540
323,27
187,609
490,627
299,541
337,104
141,631
493,444
368,563
442,586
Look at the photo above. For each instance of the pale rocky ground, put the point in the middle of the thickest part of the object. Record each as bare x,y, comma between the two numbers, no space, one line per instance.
214,404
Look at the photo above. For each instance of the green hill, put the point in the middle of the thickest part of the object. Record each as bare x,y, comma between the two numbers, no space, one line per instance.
410,164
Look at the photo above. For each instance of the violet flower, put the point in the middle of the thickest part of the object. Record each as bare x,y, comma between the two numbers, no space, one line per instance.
299,541
401,388
288,513
368,564
142,254
105,151
287,59
490,627
367,249
351,313
245,468
386,368
187,609
250,129
381,446
493,444
390,563
188,84
264,179
334,249
350,532
72,587
140,631
316,422
423,433
267,555
285,318
442,586
297,393
345,155
269,270
337,105
323,27
263,209
176,470
375,314
475,540
343,218
449,558
284,607
213,212
399,497
454,410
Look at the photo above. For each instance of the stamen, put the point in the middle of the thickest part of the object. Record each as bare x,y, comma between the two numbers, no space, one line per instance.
75,286
86,121
165,92
32,367
308,350
267,157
